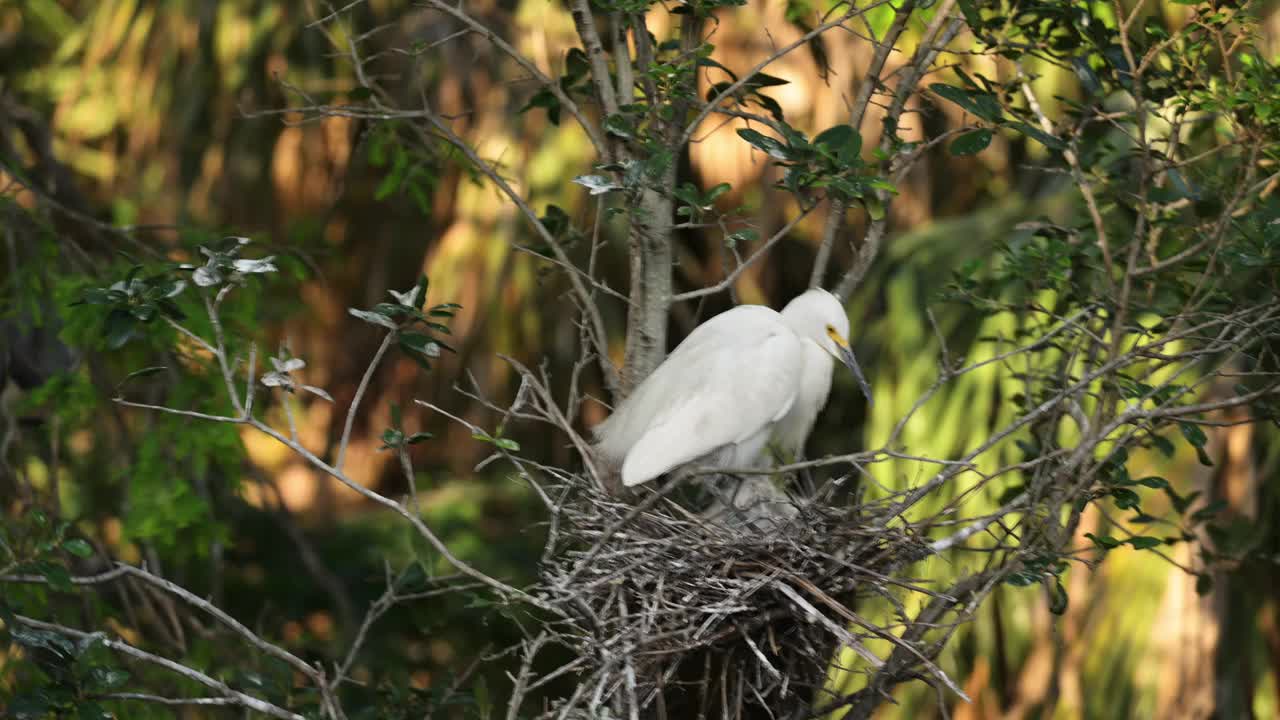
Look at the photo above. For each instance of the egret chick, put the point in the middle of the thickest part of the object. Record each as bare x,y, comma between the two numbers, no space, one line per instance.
743,379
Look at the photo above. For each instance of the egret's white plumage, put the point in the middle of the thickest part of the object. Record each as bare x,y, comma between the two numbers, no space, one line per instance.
743,378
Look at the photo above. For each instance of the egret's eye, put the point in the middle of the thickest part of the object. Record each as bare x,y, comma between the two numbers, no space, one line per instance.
830,329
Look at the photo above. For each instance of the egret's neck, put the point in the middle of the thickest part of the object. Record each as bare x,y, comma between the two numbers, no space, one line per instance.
815,385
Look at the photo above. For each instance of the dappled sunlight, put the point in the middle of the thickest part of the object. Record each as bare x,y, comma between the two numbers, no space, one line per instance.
141,132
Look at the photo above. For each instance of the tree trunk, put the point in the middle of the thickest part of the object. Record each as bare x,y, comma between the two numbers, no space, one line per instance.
650,284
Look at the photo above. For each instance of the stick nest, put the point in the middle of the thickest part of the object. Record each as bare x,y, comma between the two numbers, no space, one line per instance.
734,611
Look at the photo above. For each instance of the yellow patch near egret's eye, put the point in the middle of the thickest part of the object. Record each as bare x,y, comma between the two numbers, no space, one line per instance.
835,337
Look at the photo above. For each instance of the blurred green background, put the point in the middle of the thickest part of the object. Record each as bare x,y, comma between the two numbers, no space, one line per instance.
157,137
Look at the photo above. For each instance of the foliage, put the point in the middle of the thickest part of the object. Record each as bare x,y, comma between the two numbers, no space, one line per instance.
1110,316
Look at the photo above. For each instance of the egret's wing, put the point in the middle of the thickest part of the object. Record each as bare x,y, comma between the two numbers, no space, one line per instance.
685,370
739,389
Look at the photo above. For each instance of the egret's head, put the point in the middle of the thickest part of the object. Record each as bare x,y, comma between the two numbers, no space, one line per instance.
816,315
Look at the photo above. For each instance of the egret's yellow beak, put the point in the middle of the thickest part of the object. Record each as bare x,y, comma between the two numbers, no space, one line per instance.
846,356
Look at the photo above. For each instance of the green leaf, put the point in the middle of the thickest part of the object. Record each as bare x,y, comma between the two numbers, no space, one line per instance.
418,437
981,104
119,329
413,578
29,707
1144,542
78,547
709,62
596,184
51,641
769,104
762,80
1203,456
1023,578
144,372
717,191
390,183
374,318
392,310
1156,483
741,236
422,285
619,125
1193,434
842,140
556,220
1125,499
1162,444
505,443
771,146
108,678
1209,511
875,208
576,64
1204,584
91,711
420,343
547,100
1088,79
59,578
1038,135
392,438
1196,437
483,703
1103,541
1058,598
95,296
687,193
1181,503
971,143
717,89
360,93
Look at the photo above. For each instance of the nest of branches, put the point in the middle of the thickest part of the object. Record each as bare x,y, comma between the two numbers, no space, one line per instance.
715,609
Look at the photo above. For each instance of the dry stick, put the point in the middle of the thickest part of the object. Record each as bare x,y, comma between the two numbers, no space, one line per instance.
355,401
1073,162
622,58
1119,421
561,258
248,701
160,700
520,685
599,335
221,616
379,607
740,82
864,701
121,569
644,53
332,15
376,497
1039,411
593,134
404,512
585,23
550,408
925,54
856,619
221,351
812,614
732,277
884,46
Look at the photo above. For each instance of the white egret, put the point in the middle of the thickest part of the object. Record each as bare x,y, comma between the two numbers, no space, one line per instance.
743,379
